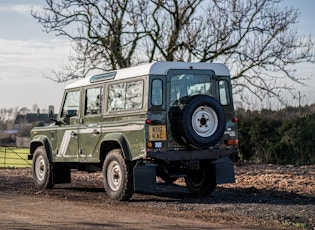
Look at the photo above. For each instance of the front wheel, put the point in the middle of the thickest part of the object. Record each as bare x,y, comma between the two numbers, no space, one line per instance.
42,169
201,182
117,176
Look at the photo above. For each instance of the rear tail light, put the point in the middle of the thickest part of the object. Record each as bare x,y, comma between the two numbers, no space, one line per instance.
231,142
149,144
234,119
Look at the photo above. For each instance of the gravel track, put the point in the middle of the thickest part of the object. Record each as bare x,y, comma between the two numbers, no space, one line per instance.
264,197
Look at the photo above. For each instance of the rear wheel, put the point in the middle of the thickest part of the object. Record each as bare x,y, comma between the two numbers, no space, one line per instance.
201,182
117,176
42,169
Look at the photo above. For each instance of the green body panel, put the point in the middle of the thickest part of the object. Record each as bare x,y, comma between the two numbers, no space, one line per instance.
82,143
88,137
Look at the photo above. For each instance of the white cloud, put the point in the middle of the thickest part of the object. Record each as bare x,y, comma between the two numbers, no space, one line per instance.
31,58
26,53
16,8
22,65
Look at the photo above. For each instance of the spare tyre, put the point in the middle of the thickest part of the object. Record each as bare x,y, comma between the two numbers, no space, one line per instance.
201,121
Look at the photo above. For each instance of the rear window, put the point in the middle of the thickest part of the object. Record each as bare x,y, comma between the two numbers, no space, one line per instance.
183,85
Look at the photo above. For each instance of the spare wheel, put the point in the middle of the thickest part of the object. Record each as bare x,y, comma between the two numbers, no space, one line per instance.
202,121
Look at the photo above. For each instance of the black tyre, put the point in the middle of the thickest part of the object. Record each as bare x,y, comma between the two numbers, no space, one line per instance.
201,182
118,176
202,122
42,169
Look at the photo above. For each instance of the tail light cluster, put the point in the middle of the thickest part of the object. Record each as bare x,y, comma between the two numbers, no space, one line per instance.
234,142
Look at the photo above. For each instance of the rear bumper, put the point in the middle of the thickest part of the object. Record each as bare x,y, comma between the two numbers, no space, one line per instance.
181,155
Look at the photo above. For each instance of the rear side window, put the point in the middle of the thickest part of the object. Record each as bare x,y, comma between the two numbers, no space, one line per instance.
125,96
224,92
157,92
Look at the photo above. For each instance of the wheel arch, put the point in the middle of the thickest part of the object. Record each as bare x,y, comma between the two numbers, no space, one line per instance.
113,141
41,141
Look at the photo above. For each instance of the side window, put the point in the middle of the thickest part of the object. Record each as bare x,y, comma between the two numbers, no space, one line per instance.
157,92
224,92
71,105
93,101
125,96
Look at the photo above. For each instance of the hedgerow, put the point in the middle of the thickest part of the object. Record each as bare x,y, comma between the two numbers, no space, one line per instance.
277,139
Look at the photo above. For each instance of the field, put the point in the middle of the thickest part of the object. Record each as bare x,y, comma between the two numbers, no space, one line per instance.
12,157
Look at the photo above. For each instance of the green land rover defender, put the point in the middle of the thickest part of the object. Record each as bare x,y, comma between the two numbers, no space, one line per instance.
165,119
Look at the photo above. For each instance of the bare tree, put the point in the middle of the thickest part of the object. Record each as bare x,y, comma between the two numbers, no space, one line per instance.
5,114
104,33
254,38
172,28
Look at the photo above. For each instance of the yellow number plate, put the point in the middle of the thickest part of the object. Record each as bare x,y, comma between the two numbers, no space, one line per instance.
157,133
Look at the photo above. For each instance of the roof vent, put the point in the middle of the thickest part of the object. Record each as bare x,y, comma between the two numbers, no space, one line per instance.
103,77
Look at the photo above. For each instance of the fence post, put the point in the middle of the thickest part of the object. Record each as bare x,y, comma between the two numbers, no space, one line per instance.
5,157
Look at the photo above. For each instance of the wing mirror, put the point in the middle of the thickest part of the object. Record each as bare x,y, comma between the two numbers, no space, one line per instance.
51,112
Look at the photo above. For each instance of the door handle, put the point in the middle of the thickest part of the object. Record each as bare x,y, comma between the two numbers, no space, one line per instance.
95,132
74,134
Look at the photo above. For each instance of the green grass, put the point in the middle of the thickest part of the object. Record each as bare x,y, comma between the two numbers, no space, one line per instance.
12,157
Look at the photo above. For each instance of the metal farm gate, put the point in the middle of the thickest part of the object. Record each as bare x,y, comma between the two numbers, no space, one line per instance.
14,157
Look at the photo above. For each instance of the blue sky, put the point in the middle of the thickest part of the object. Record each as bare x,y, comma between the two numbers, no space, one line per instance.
27,53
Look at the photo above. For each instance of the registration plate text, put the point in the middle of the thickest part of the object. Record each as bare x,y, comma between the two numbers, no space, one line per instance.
157,133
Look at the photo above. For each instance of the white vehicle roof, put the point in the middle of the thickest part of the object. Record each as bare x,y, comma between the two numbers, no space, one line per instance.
156,68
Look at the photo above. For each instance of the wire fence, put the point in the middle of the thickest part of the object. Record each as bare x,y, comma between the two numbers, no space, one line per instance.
14,157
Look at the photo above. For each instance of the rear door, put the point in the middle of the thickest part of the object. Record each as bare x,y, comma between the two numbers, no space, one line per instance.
182,85
90,127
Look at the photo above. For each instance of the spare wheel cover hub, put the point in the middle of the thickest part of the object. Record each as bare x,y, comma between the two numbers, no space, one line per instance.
204,121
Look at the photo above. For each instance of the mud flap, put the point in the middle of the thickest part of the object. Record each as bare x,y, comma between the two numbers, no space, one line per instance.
144,177
61,173
224,170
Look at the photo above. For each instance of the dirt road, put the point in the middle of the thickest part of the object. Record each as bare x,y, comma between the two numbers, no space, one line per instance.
264,196
27,212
